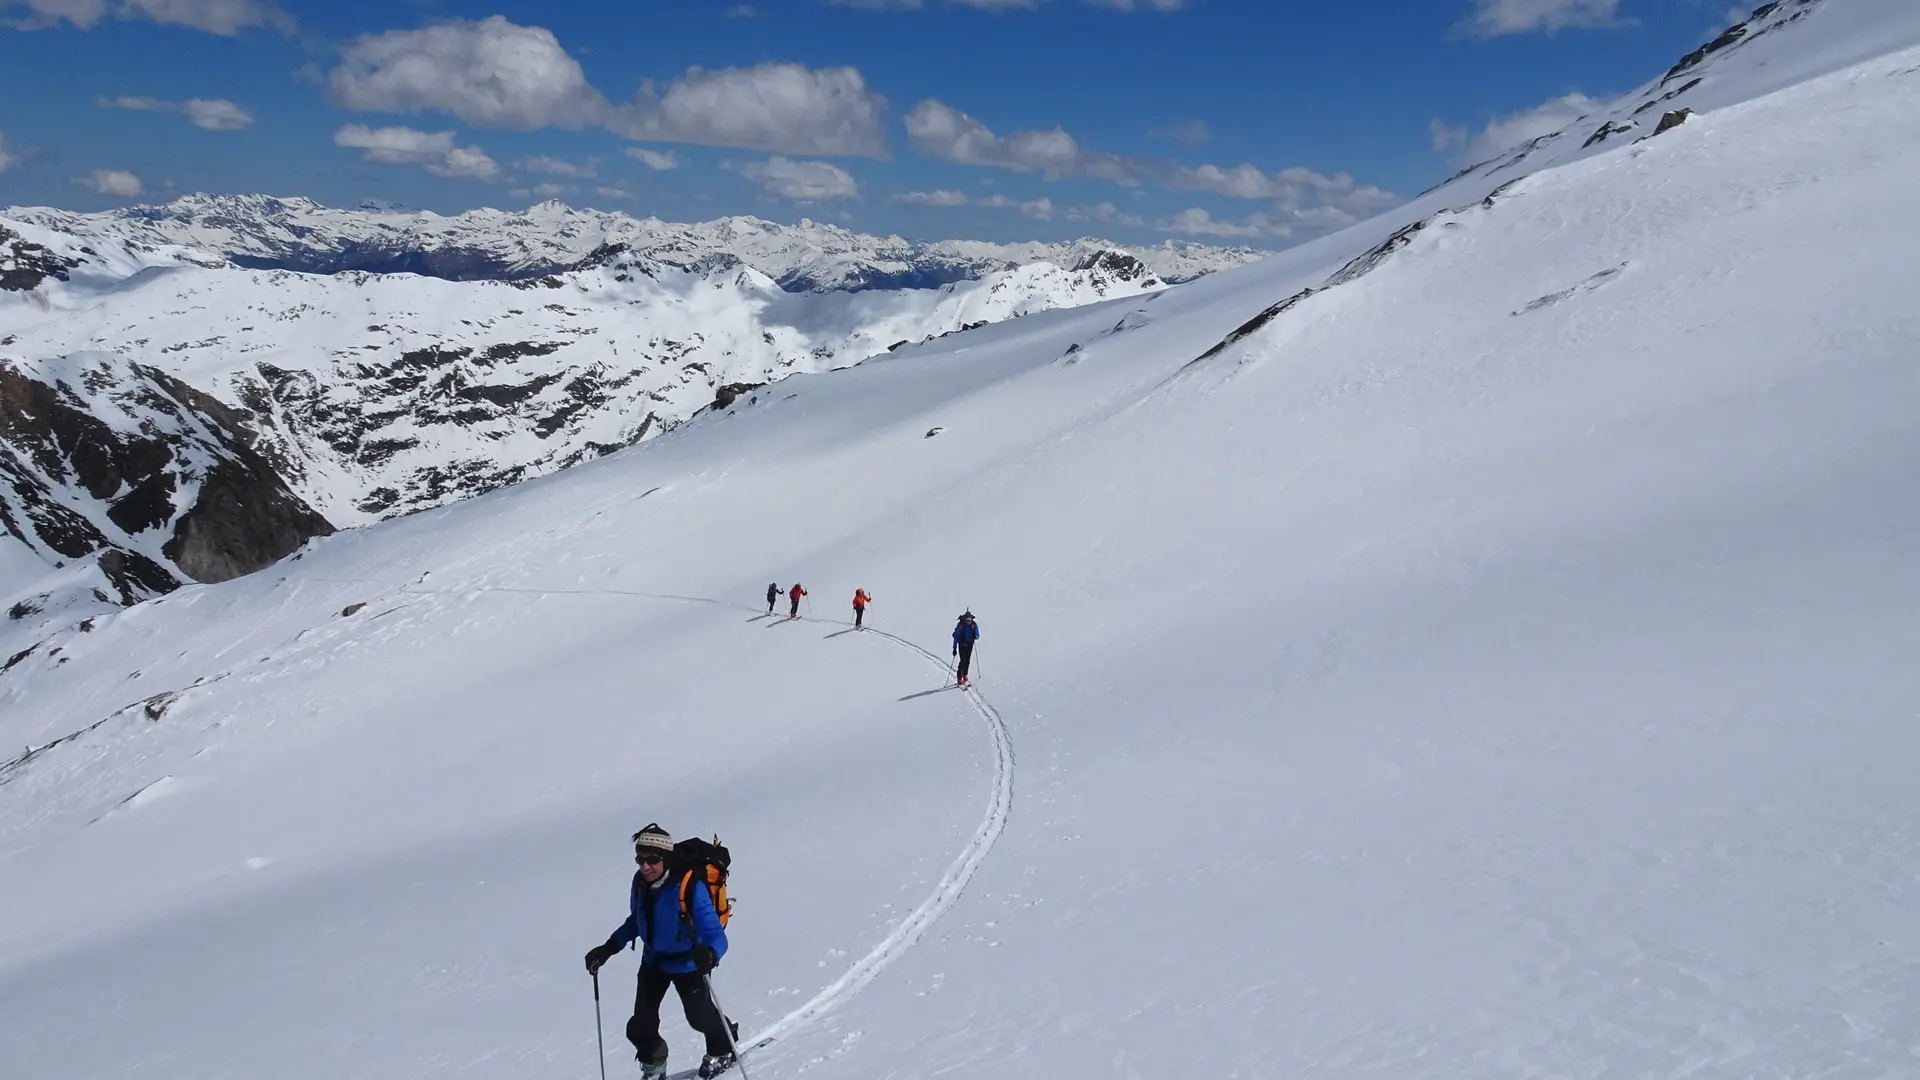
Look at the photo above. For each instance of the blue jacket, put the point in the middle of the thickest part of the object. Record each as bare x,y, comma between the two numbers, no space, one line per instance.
965,633
666,946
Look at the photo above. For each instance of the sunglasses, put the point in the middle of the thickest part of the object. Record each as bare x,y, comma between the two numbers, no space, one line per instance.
644,857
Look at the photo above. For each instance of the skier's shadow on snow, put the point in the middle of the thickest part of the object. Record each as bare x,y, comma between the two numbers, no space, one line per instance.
837,633
927,693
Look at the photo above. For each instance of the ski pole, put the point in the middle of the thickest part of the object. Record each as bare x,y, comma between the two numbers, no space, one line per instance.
726,1025
599,1035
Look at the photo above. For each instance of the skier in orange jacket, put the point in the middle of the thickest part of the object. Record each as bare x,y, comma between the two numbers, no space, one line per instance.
860,602
794,594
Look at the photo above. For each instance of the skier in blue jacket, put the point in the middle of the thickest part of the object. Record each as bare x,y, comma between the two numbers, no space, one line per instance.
965,633
677,949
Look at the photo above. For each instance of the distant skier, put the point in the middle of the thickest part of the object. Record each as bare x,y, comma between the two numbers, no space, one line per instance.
794,594
965,633
678,949
773,595
860,602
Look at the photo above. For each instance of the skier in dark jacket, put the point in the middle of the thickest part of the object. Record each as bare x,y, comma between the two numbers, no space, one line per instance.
965,633
773,595
677,950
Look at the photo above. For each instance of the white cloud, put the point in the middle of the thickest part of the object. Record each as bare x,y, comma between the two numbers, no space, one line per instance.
1039,209
1130,5
742,11
1196,221
224,17
941,131
495,73
433,151
775,107
1494,18
112,182
1446,137
490,73
653,159
801,181
1104,213
1517,129
942,197
8,158
211,114
553,166
614,193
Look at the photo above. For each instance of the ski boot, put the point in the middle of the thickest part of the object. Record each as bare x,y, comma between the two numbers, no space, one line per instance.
714,1064
652,1070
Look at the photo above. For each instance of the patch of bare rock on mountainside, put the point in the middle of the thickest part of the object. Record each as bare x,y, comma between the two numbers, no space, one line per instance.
126,464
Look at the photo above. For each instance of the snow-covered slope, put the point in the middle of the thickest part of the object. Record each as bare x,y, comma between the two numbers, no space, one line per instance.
1496,663
264,232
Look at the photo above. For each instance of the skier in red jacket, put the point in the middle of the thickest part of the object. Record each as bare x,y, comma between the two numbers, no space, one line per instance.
860,602
794,594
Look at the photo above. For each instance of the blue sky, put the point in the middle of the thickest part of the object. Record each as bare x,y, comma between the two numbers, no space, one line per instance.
1229,122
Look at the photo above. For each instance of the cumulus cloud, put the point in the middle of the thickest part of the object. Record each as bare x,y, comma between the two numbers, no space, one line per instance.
614,193
801,181
8,156
433,151
490,73
653,159
211,114
495,73
778,108
553,166
117,182
1300,195
539,191
1495,18
1508,132
224,17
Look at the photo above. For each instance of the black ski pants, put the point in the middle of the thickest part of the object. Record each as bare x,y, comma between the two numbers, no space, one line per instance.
966,659
643,1031
859,613
793,612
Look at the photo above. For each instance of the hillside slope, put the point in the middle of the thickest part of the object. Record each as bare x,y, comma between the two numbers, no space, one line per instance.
1484,652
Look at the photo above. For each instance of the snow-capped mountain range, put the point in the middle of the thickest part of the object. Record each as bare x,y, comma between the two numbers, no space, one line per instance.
527,343
270,233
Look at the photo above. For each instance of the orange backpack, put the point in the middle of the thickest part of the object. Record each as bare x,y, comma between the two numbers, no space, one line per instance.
697,859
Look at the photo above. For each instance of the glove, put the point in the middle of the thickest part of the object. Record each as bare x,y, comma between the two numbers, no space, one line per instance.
598,956
703,959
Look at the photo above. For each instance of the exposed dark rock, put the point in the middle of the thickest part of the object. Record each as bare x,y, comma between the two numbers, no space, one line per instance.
244,519
724,397
1672,120
135,577
1606,131
351,609
25,264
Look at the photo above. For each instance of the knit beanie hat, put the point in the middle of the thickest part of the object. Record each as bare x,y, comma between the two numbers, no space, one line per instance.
653,838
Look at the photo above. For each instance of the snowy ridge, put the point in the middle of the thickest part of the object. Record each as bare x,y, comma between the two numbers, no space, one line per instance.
267,232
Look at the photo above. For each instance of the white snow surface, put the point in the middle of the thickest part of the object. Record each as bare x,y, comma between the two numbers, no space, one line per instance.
1497,664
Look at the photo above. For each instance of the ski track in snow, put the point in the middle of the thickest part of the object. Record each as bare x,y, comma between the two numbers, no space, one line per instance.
947,893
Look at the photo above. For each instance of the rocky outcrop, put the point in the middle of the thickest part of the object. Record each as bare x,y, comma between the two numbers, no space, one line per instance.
102,457
24,264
